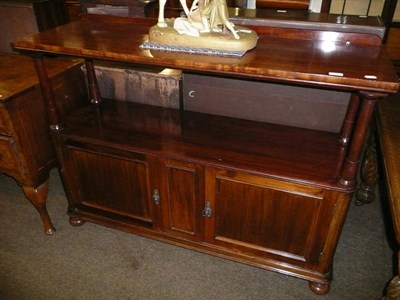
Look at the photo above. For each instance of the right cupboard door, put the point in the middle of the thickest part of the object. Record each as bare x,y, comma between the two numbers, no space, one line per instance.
268,219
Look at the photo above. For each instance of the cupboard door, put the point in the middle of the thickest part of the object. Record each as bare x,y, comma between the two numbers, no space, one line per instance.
182,196
111,183
267,218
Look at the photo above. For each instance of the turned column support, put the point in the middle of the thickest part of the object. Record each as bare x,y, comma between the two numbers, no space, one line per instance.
349,119
94,92
348,172
55,123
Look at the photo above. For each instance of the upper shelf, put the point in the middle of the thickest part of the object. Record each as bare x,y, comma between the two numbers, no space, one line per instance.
309,21
317,58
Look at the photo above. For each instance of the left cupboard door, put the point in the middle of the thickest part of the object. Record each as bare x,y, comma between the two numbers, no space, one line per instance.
108,183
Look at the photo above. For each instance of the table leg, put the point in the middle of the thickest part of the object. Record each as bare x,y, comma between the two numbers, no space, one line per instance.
48,95
94,92
368,174
37,196
348,173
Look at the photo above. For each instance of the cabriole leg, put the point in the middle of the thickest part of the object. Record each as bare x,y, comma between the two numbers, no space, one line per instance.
37,196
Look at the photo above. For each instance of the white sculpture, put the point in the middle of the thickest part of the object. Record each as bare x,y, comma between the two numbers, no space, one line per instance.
210,14
205,29
161,19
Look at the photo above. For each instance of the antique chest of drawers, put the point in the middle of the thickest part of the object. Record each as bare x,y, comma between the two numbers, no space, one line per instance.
26,151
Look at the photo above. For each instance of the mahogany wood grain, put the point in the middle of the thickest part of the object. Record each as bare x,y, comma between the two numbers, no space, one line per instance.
212,140
37,196
268,195
93,87
45,85
305,61
182,185
352,161
349,119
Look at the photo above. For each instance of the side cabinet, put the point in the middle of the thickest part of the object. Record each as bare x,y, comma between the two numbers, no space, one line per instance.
26,150
247,217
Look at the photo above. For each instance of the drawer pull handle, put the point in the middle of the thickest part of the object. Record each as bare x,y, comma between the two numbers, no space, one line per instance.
156,197
207,211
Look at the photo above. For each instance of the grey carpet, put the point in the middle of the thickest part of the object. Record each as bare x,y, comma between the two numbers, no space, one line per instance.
94,262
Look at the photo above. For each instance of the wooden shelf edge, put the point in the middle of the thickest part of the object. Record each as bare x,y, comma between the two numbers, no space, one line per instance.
292,154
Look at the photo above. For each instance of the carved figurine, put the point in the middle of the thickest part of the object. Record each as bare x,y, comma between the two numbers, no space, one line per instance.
161,19
212,14
206,29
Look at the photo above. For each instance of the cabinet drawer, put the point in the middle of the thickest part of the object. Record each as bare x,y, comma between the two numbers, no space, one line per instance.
8,158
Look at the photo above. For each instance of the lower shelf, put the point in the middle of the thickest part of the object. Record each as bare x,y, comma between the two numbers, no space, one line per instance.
294,154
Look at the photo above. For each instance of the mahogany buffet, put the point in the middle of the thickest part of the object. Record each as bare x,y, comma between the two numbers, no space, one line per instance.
271,195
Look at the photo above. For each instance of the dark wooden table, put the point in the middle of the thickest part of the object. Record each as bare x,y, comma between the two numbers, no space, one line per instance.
270,195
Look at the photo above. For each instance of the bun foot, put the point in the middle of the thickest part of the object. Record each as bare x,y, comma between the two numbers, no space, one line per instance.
319,288
75,221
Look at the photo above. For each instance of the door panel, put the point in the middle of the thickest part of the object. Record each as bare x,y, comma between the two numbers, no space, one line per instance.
182,197
267,217
111,183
